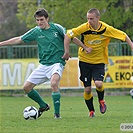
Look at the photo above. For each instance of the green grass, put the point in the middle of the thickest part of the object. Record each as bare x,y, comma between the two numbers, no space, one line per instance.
74,116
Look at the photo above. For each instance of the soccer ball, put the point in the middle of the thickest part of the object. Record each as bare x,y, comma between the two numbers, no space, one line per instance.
131,92
30,113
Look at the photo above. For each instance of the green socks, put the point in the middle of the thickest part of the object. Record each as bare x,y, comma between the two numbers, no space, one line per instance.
34,95
56,101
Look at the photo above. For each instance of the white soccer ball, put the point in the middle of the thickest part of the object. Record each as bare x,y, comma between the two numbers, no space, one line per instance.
30,113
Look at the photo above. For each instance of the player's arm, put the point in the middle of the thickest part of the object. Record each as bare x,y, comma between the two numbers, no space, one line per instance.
80,44
15,40
67,41
118,34
72,34
128,40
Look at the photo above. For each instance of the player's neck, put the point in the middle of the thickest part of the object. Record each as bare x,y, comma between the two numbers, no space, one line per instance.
95,27
47,26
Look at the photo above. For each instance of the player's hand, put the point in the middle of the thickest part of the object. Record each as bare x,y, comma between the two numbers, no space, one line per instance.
132,45
66,56
132,52
0,43
132,49
88,50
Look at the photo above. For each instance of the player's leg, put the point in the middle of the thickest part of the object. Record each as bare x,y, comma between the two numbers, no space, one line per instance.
54,74
36,77
33,94
56,94
85,77
99,89
98,76
89,100
100,93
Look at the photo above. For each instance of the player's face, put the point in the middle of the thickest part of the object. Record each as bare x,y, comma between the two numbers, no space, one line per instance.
42,22
93,20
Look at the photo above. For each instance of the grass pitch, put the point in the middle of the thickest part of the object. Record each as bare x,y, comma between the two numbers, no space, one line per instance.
74,115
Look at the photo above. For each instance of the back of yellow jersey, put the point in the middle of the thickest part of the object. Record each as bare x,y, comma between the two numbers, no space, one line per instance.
98,40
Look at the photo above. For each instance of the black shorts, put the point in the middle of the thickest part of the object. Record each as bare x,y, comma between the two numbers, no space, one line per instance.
91,72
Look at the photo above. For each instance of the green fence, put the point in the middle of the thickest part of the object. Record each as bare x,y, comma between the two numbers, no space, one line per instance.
31,51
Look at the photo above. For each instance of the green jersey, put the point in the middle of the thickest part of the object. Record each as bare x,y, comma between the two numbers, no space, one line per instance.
50,43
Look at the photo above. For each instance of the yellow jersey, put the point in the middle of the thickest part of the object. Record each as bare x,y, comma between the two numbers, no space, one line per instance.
98,40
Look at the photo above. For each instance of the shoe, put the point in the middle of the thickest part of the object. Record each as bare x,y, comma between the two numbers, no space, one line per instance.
57,116
92,114
102,106
41,110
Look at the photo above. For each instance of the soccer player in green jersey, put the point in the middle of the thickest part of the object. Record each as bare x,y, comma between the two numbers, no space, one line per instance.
96,35
50,39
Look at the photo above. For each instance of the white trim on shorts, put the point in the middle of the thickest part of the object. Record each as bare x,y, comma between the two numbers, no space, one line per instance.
44,73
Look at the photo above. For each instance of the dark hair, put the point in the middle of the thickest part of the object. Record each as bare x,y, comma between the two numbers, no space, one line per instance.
94,10
41,12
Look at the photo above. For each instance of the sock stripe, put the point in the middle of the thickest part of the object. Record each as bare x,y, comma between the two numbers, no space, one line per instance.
100,89
87,96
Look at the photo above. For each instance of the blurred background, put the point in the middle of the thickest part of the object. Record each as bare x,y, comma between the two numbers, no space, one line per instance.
16,17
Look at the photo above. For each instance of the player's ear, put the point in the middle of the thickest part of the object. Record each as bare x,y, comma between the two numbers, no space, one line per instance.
98,17
47,19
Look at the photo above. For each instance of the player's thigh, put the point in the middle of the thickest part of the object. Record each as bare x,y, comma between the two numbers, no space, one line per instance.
28,86
55,79
85,73
55,74
56,68
38,76
98,72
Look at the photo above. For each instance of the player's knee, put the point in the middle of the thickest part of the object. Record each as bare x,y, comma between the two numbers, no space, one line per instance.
28,87
87,90
98,84
25,88
54,86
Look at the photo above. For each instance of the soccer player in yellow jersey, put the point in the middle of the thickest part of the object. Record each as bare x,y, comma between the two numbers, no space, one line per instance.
96,35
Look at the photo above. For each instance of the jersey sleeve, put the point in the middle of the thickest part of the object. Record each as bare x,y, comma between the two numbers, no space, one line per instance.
28,36
60,29
77,31
115,33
